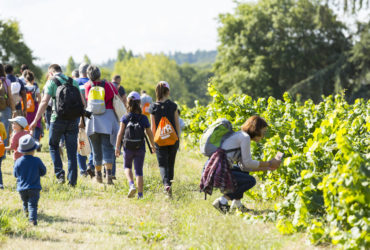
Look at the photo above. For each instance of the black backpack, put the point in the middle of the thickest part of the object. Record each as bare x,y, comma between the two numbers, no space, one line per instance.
133,138
68,103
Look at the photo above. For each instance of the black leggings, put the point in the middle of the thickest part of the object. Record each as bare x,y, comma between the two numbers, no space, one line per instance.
166,157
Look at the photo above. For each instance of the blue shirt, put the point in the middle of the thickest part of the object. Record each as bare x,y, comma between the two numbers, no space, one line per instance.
143,121
27,170
81,82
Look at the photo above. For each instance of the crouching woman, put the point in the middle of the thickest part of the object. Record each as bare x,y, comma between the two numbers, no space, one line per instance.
253,129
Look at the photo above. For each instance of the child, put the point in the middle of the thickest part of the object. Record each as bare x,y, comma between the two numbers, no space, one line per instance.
27,170
19,124
134,148
2,149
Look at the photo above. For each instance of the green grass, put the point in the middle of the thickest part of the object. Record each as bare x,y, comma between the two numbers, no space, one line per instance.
98,216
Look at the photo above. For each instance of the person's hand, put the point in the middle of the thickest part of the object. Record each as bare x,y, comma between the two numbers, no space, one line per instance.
153,149
274,164
32,126
117,152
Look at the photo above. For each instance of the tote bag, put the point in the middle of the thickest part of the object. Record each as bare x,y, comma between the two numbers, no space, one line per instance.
83,146
118,106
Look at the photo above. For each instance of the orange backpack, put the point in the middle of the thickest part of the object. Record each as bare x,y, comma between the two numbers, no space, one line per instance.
165,134
145,109
30,101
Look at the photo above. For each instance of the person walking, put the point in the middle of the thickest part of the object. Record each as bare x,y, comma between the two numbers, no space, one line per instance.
164,111
67,108
9,70
131,131
102,127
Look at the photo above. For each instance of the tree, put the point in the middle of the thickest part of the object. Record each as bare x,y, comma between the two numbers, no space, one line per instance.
13,50
268,47
123,54
87,59
71,65
144,72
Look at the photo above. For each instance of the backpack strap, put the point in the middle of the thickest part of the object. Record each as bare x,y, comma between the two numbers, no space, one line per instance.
56,81
231,150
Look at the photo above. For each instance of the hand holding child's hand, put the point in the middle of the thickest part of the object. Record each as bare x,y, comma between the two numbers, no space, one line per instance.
117,153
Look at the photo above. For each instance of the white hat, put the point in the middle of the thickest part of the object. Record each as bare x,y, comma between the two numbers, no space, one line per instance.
134,95
165,84
20,120
15,87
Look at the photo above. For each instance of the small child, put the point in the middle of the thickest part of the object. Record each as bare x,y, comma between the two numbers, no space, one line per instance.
19,124
28,170
141,122
2,149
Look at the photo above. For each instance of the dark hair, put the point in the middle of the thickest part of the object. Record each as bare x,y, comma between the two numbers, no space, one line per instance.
143,92
24,67
93,73
2,71
254,125
28,75
134,106
55,68
9,69
161,91
116,77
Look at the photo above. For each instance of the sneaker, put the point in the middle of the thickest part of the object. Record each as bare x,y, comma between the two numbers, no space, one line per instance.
99,178
90,172
61,180
168,191
1,186
241,208
223,208
131,192
84,173
110,180
114,178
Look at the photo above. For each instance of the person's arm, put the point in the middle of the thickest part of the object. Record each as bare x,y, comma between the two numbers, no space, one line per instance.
42,169
43,105
15,170
119,138
151,139
124,99
153,126
38,97
177,124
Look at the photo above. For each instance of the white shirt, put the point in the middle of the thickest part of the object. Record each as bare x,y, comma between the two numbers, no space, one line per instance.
243,141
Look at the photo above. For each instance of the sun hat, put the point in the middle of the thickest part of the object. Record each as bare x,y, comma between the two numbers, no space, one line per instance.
134,95
27,144
165,84
20,120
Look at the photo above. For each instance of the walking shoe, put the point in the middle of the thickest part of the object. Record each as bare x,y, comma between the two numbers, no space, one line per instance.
241,208
84,173
61,180
168,191
110,180
131,192
114,178
99,178
90,172
1,186
223,208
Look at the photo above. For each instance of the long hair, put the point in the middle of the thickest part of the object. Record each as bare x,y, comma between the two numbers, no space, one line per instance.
29,76
134,106
254,125
161,91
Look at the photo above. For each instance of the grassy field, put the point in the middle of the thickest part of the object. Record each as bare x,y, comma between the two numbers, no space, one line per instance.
98,216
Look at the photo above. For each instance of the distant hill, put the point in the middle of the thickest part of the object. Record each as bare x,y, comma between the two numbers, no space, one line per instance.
200,57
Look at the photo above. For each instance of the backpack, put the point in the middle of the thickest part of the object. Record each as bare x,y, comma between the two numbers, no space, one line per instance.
145,108
2,147
165,135
133,138
96,99
30,96
215,135
68,103
3,95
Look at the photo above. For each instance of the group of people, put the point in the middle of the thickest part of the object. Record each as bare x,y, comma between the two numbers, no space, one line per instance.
109,135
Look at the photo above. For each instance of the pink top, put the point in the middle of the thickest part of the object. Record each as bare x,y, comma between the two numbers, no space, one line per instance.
110,90
15,143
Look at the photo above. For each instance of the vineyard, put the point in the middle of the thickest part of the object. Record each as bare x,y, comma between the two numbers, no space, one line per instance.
322,186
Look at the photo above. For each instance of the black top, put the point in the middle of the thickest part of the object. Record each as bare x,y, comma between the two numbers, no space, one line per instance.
160,109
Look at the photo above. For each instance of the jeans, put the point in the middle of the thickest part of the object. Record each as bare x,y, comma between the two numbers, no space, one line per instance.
37,134
91,159
47,118
244,183
5,115
103,150
30,200
166,157
82,163
70,131
1,174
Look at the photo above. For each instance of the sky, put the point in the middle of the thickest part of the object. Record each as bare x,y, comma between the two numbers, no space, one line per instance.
56,30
